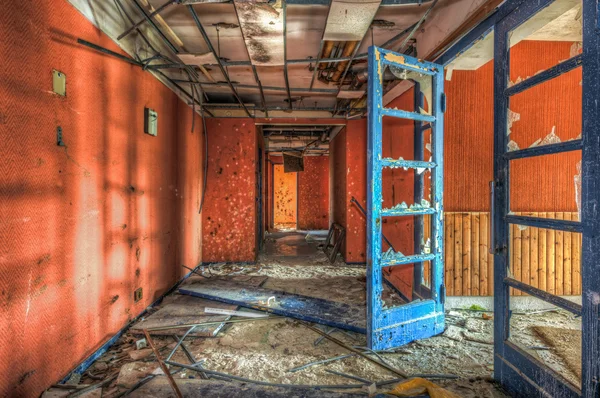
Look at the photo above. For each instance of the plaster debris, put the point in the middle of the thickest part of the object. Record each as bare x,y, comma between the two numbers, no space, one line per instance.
511,83
577,181
576,49
551,138
512,146
511,117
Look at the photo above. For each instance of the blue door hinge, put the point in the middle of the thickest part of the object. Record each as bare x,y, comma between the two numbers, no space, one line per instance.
443,103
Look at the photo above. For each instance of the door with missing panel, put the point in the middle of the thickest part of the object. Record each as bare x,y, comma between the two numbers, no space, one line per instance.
405,287
545,193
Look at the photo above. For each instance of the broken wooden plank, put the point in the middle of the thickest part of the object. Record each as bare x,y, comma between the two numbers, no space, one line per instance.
341,315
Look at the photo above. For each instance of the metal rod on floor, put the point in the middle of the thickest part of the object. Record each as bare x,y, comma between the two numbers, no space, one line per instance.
156,329
162,365
356,351
364,213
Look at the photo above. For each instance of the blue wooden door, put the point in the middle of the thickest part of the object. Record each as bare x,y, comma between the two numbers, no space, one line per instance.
422,314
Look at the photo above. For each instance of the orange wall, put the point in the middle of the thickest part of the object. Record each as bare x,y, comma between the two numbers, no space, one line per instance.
285,196
337,187
229,216
313,193
84,225
538,184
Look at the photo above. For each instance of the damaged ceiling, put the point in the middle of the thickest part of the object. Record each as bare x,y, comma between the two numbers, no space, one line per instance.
560,21
261,58
308,140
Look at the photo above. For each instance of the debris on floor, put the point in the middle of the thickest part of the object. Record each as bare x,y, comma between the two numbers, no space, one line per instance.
276,355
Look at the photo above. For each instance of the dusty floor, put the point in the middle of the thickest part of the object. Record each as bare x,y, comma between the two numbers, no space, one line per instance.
270,349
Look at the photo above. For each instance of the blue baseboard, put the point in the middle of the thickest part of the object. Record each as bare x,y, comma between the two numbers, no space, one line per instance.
86,363
209,263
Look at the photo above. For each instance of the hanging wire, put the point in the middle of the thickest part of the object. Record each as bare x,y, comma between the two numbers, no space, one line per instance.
205,150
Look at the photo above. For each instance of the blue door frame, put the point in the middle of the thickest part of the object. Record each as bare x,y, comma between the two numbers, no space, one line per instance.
514,369
392,327
518,371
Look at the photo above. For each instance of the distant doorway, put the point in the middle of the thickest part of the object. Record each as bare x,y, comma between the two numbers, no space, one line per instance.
285,198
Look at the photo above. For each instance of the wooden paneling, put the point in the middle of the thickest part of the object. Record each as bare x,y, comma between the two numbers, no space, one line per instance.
547,259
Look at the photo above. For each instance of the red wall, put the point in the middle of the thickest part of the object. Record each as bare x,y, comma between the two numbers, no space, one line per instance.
229,216
538,184
313,193
84,225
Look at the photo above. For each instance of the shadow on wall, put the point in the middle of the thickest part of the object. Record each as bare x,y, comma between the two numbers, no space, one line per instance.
87,223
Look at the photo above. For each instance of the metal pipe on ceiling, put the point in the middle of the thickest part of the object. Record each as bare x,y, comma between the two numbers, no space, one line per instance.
212,49
328,46
260,88
349,49
273,108
290,62
322,51
269,88
285,68
316,68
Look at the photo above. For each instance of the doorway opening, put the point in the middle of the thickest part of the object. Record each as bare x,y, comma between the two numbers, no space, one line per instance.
285,198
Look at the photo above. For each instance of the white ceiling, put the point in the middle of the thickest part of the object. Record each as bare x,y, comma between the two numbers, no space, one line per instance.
560,21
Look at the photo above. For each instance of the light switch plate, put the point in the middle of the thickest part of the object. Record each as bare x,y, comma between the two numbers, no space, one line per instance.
59,83
150,122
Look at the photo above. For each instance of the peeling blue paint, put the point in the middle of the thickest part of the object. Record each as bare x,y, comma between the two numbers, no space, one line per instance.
392,327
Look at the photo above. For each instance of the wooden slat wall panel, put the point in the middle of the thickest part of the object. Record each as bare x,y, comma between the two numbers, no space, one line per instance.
547,259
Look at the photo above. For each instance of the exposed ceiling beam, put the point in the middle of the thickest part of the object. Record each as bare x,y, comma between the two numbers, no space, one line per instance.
266,88
152,14
312,2
212,49
156,28
256,78
285,67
